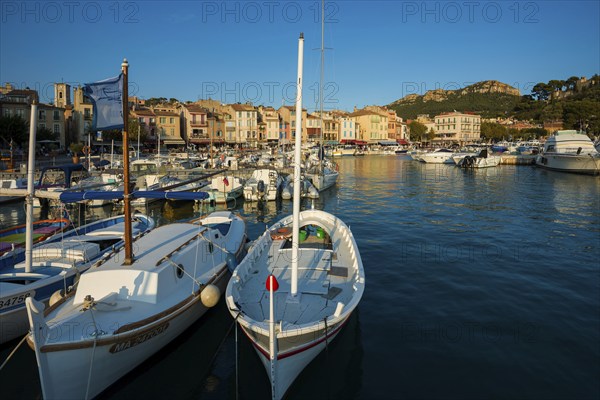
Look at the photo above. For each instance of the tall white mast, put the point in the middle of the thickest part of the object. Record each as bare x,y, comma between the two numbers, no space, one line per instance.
298,143
30,188
321,78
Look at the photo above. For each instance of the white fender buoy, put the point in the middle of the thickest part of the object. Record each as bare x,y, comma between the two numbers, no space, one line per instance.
210,296
56,297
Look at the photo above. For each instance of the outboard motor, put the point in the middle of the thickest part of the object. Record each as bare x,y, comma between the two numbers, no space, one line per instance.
260,186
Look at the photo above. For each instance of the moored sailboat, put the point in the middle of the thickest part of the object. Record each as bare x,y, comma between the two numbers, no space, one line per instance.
315,279
128,306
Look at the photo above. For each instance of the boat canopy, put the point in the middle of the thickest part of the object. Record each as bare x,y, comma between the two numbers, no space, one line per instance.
72,197
388,143
68,170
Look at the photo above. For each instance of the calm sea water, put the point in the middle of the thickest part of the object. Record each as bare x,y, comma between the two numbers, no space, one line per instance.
480,284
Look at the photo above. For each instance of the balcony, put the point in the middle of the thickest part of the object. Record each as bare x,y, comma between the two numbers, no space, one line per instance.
199,123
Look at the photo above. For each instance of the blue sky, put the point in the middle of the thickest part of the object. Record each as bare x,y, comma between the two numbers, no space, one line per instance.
246,50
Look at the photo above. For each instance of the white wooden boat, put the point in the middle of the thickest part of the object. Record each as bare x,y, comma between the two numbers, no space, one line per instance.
55,265
129,305
264,184
570,151
119,315
224,189
315,280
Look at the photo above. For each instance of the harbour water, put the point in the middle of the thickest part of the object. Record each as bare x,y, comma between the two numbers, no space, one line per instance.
480,284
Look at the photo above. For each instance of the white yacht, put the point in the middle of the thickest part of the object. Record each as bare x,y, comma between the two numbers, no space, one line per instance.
570,151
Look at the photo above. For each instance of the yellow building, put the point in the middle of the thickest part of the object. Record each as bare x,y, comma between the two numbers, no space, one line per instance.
371,125
457,127
168,125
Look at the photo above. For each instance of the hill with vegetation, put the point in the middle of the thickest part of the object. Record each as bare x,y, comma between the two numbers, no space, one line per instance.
575,102
487,98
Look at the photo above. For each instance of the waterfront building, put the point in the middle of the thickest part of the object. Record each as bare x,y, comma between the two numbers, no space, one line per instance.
346,128
288,118
457,127
82,116
194,123
168,125
313,128
17,102
269,124
372,125
245,117
147,123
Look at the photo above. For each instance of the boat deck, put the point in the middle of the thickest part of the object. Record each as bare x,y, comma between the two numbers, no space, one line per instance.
322,282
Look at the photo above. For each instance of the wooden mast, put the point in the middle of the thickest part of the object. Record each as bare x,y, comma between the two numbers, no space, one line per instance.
126,190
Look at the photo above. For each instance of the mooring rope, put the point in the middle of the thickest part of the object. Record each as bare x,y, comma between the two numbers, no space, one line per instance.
87,390
13,352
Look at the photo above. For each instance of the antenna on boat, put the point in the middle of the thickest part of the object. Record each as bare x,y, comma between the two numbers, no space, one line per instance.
296,206
126,190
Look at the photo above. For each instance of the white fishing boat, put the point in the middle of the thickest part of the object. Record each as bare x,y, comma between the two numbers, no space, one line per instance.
307,189
437,156
315,279
482,160
344,150
105,181
224,189
264,184
53,264
12,183
570,151
128,306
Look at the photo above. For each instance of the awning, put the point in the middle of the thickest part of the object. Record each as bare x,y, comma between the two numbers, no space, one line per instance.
173,141
402,142
353,141
331,143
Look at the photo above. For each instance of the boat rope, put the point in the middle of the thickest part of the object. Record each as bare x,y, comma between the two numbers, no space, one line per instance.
327,356
197,282
87,389
237,371
13,351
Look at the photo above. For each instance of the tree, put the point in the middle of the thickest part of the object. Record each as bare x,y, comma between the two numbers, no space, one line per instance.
571,82
556,84
492,131
417,130
431,134
14,128
132,132
44,133
541,91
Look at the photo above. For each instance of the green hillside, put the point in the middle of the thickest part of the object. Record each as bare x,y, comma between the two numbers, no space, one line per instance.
487,104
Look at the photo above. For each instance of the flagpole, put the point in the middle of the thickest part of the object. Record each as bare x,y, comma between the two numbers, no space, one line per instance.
127,208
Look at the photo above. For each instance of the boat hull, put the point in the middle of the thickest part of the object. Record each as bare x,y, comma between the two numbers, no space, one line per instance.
110,359
579,164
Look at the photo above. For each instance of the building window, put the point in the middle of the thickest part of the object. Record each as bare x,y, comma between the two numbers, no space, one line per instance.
60,95
171,120
7,112
56,128
56,115
42,114
172,131
163,120
19,112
